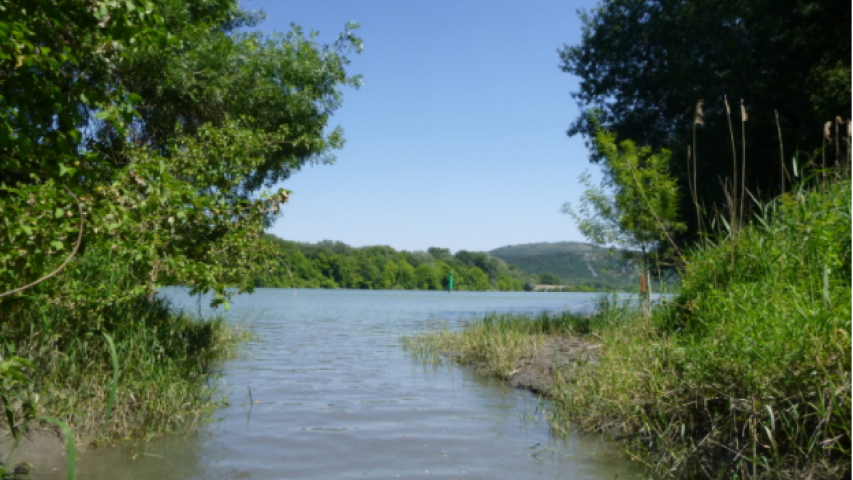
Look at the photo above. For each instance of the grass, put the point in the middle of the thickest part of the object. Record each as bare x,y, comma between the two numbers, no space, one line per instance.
499,341
109,370
744,374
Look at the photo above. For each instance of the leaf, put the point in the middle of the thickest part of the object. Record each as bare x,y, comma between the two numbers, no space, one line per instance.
56,244
59,213
69,170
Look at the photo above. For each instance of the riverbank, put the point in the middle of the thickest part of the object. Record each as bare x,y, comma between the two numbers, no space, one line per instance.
133,371
745,373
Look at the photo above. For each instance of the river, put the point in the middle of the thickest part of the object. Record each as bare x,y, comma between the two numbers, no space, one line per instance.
326,391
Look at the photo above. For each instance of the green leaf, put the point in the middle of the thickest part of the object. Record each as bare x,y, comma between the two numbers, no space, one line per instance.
66,170
57,245
59,213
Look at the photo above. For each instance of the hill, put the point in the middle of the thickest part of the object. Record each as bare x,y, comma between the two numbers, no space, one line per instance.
574,262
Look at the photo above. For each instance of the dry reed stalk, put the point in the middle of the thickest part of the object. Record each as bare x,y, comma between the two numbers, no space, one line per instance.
734,156
649,290
827,137
743,119
654,213
837,143
697,120
782,169
848,152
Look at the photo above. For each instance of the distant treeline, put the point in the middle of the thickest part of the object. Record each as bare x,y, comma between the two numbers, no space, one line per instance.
330,264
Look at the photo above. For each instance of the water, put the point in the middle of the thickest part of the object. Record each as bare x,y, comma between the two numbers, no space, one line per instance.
327,392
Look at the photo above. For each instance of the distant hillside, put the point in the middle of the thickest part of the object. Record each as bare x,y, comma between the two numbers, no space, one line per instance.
574,262
545,248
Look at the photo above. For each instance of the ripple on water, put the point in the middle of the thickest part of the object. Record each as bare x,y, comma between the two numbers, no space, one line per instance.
336,397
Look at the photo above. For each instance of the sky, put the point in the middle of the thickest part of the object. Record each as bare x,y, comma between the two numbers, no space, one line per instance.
457,137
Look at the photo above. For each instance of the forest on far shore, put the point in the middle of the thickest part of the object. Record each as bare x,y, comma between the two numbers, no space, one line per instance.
332,264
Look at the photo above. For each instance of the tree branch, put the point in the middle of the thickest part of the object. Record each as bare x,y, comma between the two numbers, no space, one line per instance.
64,264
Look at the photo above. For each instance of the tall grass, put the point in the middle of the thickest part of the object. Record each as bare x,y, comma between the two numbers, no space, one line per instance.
744,374
110,370
498,341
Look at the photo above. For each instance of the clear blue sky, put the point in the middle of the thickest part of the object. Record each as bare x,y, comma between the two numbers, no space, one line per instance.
457,137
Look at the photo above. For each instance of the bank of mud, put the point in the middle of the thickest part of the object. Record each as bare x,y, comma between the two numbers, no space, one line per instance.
39,450
538,369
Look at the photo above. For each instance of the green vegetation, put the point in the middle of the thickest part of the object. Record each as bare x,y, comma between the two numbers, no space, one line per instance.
580,266
155,157
337,265
548,278
499,342
746,373
163,361
135,140
644,64
637,208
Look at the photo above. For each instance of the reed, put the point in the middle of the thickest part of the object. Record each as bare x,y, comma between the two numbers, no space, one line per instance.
745,373
110,371
498,341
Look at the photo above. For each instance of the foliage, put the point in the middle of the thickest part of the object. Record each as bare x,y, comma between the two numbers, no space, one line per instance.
157,123
136,138
638,209
67,365
746,373
643,65
330,264
499,342
549,279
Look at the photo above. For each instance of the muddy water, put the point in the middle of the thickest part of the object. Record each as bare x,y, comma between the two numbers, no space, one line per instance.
327,392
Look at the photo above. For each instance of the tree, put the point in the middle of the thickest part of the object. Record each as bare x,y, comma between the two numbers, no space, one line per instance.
550,279
424,278
437,253
405,275
389,274
149,130
637,206
644,64
478,280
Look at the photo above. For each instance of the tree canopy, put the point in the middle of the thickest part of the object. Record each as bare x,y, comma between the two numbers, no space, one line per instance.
149,130
637,206
331,264
644,64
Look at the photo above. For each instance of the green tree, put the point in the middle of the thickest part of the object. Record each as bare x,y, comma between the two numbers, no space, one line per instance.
644,64
506,283
149,129
437,253
550,279
478,279
637,206
406,275
424,277
441,272
389,275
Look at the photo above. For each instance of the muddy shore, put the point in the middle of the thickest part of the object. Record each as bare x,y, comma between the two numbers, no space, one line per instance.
537,370
43,448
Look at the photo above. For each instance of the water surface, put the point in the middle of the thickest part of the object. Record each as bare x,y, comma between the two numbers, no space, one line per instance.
327,392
